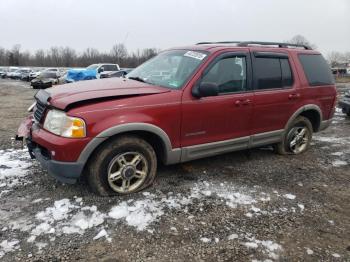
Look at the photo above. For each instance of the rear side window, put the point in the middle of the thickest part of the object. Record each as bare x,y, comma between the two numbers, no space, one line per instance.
271,73
316,70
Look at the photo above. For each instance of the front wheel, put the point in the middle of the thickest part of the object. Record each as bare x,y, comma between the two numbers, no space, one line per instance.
297,137
122,166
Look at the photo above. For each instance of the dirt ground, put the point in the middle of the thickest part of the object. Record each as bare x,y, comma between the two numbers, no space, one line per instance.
244,206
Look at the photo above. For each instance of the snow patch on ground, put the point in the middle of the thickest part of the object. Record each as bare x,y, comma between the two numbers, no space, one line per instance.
66,217
339,163
335,141
72,216
14,166
268,247
309,251
205,240
289,196
8,246
101,234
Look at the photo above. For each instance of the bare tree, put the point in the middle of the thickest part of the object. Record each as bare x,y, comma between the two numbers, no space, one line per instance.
301,40
335,58
40,58
119,52
68,57
13,55
3,58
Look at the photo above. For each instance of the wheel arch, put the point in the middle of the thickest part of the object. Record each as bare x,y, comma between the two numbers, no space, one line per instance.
311,112
154,135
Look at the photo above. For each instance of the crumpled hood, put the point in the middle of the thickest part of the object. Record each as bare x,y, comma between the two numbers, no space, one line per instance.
66,95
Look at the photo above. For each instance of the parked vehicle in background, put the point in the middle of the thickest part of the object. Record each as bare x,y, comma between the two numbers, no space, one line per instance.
25,75
99,68
121,73
91,72
23,72
11,71
344,103
75,75
18,73
34,74
45,80
218,98
54,70
3,72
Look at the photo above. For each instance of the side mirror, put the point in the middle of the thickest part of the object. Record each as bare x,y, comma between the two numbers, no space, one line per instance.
205,89
101,69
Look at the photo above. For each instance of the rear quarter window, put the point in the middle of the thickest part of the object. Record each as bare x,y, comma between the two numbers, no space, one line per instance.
316,69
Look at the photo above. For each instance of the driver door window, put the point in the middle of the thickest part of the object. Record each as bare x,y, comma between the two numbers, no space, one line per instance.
229,74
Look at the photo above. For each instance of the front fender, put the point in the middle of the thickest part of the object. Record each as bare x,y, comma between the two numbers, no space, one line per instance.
171,155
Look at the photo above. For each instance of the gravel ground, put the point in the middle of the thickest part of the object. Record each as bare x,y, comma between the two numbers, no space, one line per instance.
244,206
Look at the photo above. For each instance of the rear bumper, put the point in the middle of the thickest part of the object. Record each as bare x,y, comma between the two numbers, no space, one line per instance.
66,172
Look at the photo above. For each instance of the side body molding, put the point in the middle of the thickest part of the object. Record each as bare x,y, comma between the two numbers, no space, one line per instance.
171,155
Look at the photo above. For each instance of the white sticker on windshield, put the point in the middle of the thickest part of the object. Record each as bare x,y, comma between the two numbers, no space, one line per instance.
196,55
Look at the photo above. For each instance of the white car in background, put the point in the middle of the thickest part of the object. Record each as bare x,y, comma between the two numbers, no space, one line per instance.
34,74
18,73
103,68
11,71
54,70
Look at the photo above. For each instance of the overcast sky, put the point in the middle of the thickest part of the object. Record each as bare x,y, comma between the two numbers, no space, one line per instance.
167,23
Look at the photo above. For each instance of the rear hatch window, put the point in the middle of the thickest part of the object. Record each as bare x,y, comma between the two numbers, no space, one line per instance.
316,69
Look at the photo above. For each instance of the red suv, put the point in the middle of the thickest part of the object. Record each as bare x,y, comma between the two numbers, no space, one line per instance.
184,104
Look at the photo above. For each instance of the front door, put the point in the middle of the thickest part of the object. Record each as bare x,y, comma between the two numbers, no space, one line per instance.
217,124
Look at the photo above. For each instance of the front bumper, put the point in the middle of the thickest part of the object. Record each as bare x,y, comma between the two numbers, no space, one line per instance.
41,85
65,172
58,155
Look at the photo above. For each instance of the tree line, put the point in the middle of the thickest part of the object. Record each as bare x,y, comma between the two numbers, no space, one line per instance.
68,57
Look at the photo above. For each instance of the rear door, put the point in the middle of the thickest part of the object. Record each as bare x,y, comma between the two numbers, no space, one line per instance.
275,91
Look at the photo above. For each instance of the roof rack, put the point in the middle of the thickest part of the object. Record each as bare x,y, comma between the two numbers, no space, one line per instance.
247,43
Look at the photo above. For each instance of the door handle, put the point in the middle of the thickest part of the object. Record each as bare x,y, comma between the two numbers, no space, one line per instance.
246,102
243,102
238,102
294,96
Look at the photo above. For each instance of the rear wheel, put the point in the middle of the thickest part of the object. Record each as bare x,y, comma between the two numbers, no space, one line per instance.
122,166
297,137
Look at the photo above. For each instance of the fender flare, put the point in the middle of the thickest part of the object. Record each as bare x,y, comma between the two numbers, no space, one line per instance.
303,109
171,155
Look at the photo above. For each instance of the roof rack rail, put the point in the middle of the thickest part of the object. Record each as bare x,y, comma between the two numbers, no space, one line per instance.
247,43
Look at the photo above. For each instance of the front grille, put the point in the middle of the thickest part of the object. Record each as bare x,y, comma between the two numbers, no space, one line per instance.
39,111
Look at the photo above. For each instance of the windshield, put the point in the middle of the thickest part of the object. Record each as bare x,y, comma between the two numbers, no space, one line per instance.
169,69
92,67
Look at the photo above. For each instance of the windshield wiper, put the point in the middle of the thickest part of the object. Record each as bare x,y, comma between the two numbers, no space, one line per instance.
137,79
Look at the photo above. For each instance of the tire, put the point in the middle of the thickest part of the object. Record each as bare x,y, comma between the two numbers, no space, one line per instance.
294,141
348,113
111,171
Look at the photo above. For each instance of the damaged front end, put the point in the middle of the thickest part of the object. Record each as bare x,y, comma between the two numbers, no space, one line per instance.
24,130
